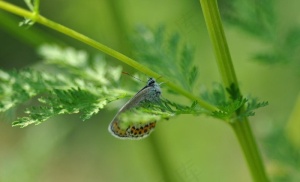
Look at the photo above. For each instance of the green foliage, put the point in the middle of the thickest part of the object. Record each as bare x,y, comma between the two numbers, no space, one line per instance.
79,65
75,84
285,158
229,109
172,108
79,84
19,86
285,50
217,95
235,104
254,17
167,55
156,111
233,92
69,101
29,4
33,5
258,18
252,104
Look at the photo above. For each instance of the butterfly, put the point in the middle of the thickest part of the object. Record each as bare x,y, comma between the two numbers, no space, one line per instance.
150,93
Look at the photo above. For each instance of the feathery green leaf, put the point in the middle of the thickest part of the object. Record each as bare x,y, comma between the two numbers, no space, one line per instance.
74,100
167,55
228,107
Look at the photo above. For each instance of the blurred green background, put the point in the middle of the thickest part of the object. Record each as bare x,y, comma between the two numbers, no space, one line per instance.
188,148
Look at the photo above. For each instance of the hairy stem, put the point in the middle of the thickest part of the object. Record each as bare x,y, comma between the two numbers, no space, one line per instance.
241,127
71,33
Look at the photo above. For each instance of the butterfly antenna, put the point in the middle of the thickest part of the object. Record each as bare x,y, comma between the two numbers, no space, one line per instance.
125,73
159,78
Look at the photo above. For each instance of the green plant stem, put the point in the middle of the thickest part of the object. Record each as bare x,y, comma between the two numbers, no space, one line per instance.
37,6
217,36
241,126
244,134
71,33
34,36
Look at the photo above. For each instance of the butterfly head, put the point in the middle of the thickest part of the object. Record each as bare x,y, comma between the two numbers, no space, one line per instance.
151,82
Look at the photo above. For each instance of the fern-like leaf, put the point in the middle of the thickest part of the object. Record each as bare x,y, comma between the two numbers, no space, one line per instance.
70,101
87,87
80,65
167,55
229,107
19,86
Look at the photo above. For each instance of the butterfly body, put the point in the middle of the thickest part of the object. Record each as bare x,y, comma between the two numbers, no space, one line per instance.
150,93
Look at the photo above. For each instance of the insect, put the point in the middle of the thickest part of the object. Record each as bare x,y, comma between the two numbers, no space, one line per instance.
150,93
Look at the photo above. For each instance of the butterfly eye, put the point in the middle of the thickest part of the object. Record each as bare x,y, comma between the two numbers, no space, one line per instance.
151,81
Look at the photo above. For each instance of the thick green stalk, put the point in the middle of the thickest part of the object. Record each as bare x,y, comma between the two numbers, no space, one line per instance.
241,127
71,33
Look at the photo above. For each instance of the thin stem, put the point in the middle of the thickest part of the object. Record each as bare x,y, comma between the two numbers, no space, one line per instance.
37,6
241,127
71,33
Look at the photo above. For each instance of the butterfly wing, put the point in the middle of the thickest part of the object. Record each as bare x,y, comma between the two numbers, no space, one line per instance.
139,130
